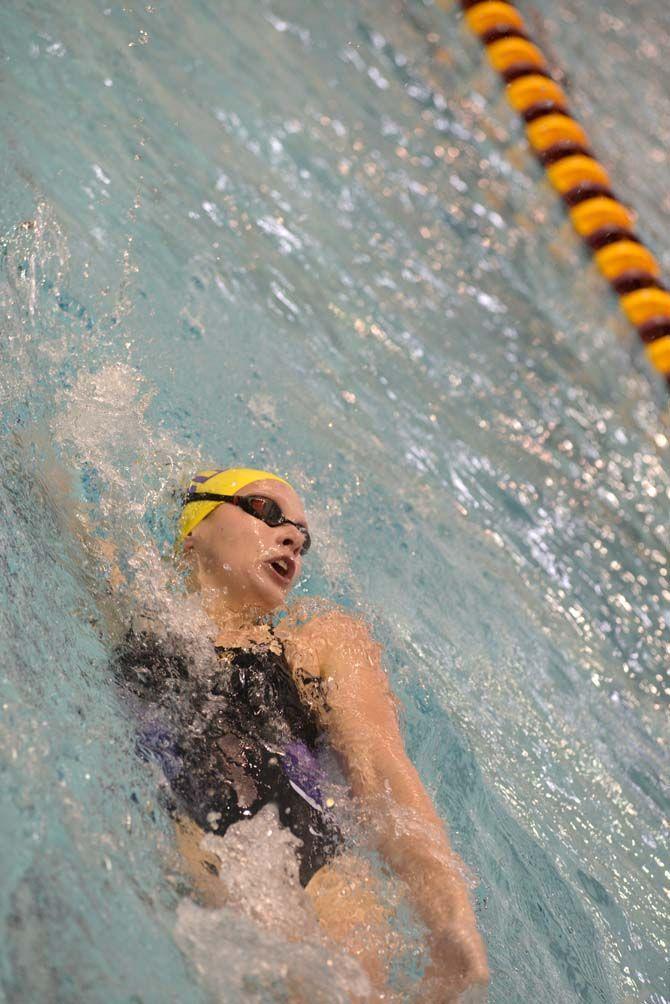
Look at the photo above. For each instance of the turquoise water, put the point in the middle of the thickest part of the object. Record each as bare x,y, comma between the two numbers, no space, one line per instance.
310,236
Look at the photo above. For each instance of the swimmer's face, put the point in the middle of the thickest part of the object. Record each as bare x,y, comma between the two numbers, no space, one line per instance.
236,553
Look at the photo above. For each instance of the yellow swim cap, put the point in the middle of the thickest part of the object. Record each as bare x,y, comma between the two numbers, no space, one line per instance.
225,482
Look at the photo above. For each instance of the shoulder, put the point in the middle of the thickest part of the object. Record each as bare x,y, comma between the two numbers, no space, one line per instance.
145,662
326,650
338,646
331,628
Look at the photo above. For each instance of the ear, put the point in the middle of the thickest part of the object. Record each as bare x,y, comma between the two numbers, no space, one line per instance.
190,563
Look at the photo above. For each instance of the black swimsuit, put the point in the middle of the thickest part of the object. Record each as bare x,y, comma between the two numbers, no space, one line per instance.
231,741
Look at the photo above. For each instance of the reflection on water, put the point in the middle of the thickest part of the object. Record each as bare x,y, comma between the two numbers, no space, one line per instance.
314,239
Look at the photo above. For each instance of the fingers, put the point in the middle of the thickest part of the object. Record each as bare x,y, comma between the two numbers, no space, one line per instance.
459,961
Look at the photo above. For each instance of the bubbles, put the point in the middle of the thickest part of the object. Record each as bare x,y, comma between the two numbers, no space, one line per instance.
259,870
34,258
279,967
343,267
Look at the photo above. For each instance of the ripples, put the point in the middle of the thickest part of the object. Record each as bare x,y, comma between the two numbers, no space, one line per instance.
316,238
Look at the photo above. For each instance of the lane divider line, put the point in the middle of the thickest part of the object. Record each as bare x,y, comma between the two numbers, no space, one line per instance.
562,146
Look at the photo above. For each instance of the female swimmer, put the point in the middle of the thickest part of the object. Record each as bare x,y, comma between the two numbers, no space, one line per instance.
228,749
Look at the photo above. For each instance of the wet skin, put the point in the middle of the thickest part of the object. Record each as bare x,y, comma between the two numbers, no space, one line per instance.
230,554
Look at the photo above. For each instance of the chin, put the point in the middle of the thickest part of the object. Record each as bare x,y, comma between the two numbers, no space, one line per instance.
268,596
277,601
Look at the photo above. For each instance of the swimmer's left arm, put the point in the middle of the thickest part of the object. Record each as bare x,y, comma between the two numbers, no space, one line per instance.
363,725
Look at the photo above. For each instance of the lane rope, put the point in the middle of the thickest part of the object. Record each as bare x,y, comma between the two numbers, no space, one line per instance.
562,146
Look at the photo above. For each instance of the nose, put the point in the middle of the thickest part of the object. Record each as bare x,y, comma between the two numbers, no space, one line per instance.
290,536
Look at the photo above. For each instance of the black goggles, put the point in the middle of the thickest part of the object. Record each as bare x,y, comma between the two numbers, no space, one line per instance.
259,506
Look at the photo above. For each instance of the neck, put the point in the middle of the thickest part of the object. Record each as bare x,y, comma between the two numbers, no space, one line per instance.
230,619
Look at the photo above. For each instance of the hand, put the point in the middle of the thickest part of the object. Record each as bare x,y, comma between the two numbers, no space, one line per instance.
458,962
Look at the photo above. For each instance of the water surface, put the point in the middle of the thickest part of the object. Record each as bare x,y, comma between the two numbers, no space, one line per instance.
310,236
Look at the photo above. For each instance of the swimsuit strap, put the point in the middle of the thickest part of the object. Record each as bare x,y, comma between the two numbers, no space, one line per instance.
244,648
250,651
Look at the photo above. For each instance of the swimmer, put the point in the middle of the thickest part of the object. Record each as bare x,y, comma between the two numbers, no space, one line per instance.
230,749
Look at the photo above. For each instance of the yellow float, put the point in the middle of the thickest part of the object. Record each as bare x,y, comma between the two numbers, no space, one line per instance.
550,126
658,354
577,170
551,129
600,212
626,256
528,91
645,304
508,51
485,16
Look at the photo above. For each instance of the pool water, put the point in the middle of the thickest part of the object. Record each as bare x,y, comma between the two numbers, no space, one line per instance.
310,236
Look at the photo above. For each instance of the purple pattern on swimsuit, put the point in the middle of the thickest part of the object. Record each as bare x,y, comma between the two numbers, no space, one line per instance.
302,768
156,741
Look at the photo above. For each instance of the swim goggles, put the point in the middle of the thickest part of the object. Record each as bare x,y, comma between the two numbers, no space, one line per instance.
265,509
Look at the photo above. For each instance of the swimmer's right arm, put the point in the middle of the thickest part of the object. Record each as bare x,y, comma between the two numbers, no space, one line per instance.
104,550
74,520
105,557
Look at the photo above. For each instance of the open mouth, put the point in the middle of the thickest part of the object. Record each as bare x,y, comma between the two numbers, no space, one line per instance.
283,569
